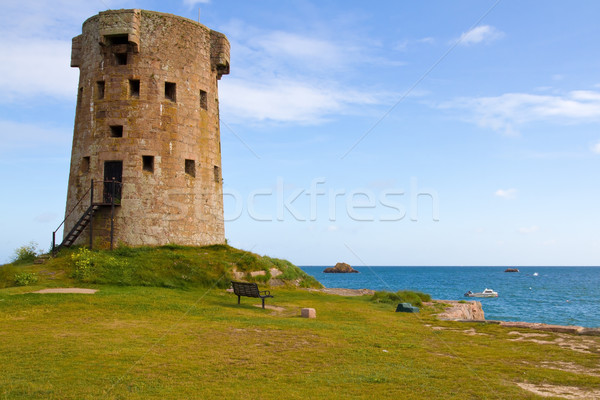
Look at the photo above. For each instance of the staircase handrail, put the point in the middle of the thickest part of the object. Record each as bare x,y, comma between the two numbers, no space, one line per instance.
76,205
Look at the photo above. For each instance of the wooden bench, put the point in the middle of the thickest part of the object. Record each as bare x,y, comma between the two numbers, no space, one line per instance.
249,290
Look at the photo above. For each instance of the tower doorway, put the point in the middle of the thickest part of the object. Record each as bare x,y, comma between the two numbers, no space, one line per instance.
113,176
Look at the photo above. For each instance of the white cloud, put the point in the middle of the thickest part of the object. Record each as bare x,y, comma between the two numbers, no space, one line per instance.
317,52
282,76
401,46
59,19
281,100
505,113
22,78
479,34
596,147
36,47
508,194
404,44
529,230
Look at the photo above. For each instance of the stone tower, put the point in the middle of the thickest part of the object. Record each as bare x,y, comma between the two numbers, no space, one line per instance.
147,118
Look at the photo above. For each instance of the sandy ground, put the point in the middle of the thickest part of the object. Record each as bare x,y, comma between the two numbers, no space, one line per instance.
67,290
268,307
345,292
565,392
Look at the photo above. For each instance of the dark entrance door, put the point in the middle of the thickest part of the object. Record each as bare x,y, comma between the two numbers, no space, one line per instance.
113,176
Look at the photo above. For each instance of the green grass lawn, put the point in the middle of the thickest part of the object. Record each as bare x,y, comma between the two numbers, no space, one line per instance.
162,326
143,342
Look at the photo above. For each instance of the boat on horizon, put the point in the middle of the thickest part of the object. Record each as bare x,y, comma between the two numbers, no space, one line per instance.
486,293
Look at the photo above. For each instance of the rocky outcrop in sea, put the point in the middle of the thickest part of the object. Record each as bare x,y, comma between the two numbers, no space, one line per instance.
340,268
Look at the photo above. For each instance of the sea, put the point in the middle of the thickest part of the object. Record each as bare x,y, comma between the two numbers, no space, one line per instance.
550,295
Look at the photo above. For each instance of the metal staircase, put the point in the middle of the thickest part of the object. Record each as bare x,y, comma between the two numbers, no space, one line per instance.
83,222
111,197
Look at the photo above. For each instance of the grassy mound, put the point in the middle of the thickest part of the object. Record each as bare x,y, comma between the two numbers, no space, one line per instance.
169,266
401,296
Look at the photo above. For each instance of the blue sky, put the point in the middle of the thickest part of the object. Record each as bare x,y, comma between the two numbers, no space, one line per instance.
377,133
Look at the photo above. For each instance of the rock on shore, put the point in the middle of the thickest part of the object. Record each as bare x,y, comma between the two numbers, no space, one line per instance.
340,268
462,310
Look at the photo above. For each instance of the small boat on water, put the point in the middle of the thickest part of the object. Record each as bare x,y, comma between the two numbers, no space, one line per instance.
486,293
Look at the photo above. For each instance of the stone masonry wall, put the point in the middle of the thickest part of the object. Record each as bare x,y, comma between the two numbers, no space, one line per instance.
155,75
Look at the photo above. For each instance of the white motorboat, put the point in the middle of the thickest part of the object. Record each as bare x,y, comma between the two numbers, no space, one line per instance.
486,293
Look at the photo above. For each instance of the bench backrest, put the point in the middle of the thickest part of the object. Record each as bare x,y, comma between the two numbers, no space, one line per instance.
245,289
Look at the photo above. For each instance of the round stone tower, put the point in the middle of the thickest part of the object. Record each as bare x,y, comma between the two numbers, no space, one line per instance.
146,132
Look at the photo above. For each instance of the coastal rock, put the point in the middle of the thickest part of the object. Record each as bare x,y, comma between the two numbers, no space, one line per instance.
511,270
462,311
589,331
340,268
543,327
275,272
275,282
238,275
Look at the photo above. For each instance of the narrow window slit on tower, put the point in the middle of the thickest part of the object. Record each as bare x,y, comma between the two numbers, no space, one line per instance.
116,130
134,88
170,91
79,96
117,39
217,172
148,163
190,168
203,100
85,165
121,58
100,85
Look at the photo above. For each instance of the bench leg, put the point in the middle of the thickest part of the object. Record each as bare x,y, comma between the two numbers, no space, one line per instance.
239,297
263,303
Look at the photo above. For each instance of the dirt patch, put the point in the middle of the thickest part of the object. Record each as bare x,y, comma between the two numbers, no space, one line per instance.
473,332
528,335
566,392
543,327
586,345
67,290
346,292
571,367
268,307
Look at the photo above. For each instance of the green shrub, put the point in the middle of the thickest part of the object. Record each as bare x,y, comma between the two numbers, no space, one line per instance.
401,296
25,278
83,261
7,275
27,253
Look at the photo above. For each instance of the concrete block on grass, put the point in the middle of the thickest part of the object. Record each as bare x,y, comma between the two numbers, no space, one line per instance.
309,313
